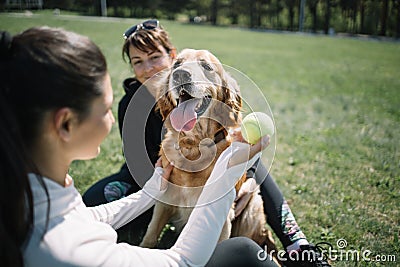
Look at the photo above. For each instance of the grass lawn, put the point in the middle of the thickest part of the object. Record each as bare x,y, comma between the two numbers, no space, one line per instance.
336,105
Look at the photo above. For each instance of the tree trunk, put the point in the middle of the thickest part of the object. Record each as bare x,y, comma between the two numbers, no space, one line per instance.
354,17
252,13
277,14
313,10
384,17
362,17
214,12
301,15
234,14
291,18
397,6
327,16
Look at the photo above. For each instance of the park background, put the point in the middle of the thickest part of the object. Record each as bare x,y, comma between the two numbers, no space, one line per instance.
354,17
335,102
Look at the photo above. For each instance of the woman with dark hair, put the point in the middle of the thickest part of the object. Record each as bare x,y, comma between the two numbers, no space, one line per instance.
56,100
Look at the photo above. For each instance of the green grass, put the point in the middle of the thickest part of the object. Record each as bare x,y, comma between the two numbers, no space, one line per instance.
336,107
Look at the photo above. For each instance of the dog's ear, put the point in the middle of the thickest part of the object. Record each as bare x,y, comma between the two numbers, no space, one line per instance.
165,103
232,95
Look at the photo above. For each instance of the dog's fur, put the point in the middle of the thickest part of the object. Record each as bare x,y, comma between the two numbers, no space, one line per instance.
197,75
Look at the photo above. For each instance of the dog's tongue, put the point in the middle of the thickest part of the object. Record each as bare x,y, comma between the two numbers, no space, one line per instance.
184,116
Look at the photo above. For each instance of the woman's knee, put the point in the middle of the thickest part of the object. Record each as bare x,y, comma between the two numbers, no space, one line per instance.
240,251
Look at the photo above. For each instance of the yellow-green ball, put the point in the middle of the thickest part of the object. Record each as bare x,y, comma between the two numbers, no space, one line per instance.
255,125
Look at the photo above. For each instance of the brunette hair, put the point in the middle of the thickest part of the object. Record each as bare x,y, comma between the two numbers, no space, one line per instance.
43,69
147,41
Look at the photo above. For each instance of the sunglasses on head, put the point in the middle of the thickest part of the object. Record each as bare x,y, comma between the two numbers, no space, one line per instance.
150,24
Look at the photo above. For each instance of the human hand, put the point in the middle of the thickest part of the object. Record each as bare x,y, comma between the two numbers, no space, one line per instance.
230,166
164,172
246,151
235,135
244,195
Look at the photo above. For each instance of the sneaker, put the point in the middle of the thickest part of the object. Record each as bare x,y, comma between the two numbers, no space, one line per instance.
309,256
116,190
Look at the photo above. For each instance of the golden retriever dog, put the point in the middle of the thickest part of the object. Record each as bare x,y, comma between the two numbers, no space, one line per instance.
200,103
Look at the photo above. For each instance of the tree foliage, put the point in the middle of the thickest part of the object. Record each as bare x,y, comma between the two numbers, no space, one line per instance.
374,17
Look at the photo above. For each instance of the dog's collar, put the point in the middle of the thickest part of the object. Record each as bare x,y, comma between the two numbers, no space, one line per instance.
219,136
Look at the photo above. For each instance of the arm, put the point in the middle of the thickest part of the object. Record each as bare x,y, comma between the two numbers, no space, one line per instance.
250,185
87,242
122,211
200,235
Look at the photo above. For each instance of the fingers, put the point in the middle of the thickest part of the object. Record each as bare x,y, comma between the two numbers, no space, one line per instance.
164,172
259,146
240,193
244,195
241,204
236,135
247,187
167,170
247,151
158,163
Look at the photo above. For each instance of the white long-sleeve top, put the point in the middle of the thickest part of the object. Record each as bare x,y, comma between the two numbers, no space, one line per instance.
81,236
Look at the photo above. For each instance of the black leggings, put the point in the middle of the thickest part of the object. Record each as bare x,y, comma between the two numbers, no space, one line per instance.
280,217
238,252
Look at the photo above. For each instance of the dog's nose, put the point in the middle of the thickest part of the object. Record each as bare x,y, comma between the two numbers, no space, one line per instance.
182,76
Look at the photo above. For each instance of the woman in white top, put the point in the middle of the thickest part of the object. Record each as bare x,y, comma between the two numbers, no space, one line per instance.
56,100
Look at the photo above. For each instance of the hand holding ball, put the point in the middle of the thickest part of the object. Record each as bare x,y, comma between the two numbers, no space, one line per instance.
255,125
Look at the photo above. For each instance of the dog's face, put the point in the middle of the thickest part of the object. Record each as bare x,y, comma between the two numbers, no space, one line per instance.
197,74
198,86
199,104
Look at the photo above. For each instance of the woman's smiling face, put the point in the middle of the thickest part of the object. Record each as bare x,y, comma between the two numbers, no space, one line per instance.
146,64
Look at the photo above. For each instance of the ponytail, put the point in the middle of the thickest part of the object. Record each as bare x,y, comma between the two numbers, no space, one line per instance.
16,206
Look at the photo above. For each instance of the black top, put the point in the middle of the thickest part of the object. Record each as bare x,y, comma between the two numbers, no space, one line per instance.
154,120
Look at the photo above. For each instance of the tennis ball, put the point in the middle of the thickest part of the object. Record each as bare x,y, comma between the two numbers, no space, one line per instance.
255,125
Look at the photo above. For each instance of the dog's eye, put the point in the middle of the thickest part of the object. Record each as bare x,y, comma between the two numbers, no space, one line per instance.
177,63
205,65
